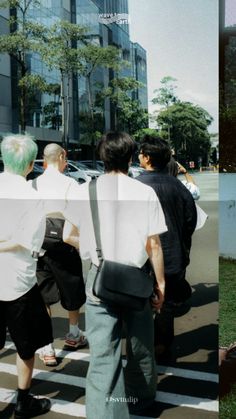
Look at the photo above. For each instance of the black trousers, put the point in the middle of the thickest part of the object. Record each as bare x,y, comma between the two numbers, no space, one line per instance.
177,290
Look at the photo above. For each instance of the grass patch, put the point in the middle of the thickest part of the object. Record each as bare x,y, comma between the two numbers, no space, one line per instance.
227,325
227,301
227,408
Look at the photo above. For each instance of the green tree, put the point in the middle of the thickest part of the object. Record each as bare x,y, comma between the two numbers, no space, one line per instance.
129,114
165,95
189,129
132,117
145,131
92,57
59,51
68,48
23,39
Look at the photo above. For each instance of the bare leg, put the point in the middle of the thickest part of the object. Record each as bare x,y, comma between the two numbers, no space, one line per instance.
73,317
75,338
24,371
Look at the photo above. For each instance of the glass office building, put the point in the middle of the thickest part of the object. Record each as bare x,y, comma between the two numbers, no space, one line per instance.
139,62
44,115
5,80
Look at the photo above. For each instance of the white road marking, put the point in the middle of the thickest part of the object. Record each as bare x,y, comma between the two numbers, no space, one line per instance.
55,377
164,397
177,372
187,401
190,374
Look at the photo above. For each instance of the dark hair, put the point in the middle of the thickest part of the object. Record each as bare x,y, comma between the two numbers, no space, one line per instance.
115,150
173,167
157,149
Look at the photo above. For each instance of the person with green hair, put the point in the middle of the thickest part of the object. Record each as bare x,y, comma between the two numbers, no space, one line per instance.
22,228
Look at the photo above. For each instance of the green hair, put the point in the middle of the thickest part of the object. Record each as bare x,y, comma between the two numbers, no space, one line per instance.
18,151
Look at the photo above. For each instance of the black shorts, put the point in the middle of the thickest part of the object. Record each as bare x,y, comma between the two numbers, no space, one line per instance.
28,323
60,278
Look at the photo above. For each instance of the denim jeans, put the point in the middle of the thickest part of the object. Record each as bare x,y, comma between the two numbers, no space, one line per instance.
110,390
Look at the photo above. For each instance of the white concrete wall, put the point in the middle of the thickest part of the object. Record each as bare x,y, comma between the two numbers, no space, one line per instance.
227,215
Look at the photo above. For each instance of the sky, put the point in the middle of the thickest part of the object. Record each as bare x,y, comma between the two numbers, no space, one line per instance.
230,13
181,40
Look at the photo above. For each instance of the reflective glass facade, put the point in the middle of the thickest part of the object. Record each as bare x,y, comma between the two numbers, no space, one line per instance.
114,8
5,80
44,110
139,61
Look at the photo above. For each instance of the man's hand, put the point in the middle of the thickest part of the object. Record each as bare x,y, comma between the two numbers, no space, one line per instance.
181,169
157,299
155,254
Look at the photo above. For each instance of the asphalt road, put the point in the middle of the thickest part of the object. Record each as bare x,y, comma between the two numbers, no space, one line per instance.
187,382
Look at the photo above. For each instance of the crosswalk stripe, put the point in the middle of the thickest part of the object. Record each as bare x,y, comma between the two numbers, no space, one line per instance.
187,401
77,356
78,410
190,374
177,372
164,397
59,406
54,377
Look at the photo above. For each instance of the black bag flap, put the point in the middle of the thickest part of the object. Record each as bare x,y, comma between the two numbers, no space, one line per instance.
54,228
126,279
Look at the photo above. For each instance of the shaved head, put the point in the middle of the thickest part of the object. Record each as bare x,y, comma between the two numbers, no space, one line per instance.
52,153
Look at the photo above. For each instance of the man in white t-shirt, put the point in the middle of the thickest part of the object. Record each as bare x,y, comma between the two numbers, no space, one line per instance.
59,270
22,227
131,218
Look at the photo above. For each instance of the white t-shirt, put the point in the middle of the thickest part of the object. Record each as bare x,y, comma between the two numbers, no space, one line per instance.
22,221
53,188
193,189
129,213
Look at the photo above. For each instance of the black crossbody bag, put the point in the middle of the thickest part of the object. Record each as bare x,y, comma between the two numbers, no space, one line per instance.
118,285
53,239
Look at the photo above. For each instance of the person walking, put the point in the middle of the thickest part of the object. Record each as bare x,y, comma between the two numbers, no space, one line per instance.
130,221
180,214
22,227
176,168
59,269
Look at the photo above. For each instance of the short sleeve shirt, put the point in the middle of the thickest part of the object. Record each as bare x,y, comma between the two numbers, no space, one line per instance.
54,188
129,213
22,221
193,189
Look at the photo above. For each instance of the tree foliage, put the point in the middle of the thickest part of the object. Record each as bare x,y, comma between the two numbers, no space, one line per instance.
188,129
92,57
23,39
58,47
184,124
129,114
139,134
165,95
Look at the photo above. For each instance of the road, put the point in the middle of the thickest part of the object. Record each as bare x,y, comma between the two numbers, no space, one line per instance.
187,383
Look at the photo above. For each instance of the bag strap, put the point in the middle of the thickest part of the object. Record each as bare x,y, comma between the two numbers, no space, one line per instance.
95,217
34,183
